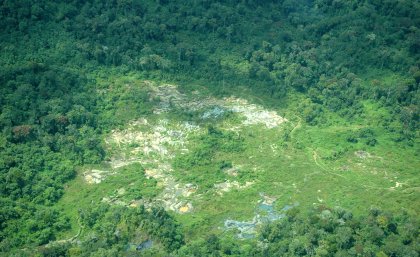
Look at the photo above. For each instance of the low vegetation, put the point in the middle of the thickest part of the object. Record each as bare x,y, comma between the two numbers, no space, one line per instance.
138,128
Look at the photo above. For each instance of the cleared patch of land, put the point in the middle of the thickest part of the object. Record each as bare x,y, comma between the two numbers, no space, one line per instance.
213,160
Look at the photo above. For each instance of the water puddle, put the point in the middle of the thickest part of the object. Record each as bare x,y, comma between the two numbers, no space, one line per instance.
140,247
265,212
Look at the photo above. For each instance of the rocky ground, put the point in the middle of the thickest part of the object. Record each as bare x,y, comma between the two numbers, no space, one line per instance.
154,143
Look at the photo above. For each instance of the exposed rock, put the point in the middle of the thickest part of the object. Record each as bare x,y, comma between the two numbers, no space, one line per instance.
254,114
154,144
265,212
362,154
95,176
227,186
267,200
232,171
397,185
185,208
213,113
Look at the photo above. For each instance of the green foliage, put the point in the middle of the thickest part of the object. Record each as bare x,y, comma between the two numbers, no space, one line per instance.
328,232
322,232
47,128
365,135
114,228
347,59
206,162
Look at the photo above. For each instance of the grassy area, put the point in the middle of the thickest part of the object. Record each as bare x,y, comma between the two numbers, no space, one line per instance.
335,165
123,187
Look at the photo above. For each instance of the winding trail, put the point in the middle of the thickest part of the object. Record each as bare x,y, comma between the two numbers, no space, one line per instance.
71,239
321,166
81,227
298,125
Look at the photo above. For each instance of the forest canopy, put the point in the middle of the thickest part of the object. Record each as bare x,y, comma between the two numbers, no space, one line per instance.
339,56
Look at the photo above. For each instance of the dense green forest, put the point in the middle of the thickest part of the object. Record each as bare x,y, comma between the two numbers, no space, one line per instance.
64,70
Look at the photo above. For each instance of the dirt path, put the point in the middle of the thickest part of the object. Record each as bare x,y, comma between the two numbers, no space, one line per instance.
314,153
71,239
315,156
298,126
